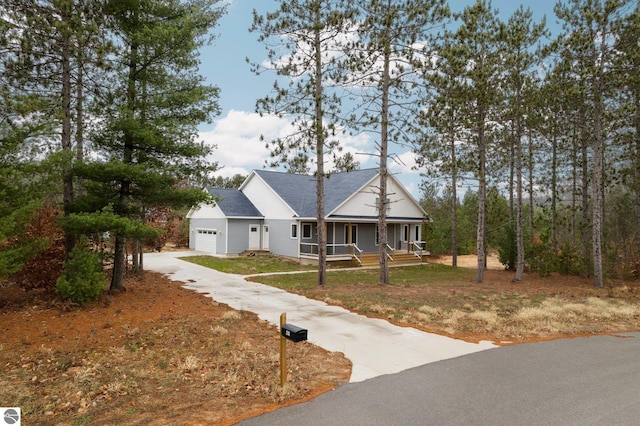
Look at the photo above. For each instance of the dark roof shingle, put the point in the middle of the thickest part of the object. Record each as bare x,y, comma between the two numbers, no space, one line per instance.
299,191
234,203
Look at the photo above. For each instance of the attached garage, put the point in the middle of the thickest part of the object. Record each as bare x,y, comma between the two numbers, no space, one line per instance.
206,240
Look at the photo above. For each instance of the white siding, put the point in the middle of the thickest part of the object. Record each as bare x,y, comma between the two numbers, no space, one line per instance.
281,242
220,225
206,211
363,203
265,200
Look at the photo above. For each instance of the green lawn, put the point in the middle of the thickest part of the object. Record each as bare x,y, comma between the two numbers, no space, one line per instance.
248,265
447,300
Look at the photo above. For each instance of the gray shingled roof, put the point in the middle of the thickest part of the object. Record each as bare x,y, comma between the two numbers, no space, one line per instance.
299,191
234,203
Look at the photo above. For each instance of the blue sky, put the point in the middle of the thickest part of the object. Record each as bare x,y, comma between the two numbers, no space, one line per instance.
236,131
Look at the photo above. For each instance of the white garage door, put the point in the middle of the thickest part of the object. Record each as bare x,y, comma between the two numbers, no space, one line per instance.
206,240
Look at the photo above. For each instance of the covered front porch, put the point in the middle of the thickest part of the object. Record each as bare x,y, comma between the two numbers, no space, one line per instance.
358,242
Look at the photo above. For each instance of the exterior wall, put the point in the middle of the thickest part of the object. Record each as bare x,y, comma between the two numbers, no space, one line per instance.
238,234
203,223
399,242
281,242
311,238
394,235
206,211
207,216
366,234
401,203
265,200
367,237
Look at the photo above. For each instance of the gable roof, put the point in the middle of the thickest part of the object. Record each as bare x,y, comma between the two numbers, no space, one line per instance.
234,203
299,191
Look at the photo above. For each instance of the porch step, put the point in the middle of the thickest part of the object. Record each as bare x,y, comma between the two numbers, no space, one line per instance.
250,253
399,258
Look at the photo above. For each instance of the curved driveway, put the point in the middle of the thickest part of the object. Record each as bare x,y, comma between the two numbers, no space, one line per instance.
407,377
374,346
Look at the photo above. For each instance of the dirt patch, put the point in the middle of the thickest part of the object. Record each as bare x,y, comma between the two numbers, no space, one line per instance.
469,261
157,354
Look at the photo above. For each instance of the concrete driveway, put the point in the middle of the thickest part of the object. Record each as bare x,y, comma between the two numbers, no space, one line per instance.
374,346
402,376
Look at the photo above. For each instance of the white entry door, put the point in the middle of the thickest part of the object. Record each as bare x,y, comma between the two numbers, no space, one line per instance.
254,237
265,237
206,240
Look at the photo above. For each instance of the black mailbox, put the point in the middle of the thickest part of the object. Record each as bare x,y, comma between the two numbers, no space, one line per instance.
293,333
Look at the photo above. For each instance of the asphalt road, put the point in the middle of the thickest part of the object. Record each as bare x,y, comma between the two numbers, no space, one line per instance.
579,381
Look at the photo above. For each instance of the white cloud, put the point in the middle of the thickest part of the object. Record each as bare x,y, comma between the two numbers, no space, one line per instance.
237,140
403,167
239,148
403,162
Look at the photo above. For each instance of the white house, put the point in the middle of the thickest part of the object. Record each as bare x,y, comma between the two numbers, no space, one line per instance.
276,212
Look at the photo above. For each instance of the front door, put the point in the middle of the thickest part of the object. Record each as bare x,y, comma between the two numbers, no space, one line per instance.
405,237
265,237
254,237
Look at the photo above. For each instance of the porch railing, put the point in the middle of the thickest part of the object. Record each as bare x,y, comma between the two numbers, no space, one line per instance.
389,249
333,250
357,253
418,250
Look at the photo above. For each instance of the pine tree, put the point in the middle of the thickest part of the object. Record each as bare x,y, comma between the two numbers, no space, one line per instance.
307,34
589,27
627,81
57,40
479,52
439,128
148,141
520,36
393,42
25,183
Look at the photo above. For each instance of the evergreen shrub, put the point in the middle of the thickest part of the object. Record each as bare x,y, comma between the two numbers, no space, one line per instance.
83,278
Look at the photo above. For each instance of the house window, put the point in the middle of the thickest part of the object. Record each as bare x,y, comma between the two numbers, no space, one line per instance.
354,234
387,204
377,235
294,230
405,232
306,231
417,237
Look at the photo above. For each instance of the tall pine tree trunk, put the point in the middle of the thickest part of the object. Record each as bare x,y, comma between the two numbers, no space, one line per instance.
519,194
636,122
598,279
574,187
482,197
119,266
319,133
454,193
584,226
70,239
532,199
554,188
382,205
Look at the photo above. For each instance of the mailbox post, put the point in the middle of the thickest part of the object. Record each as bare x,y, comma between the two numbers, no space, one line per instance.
290,332
283,352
